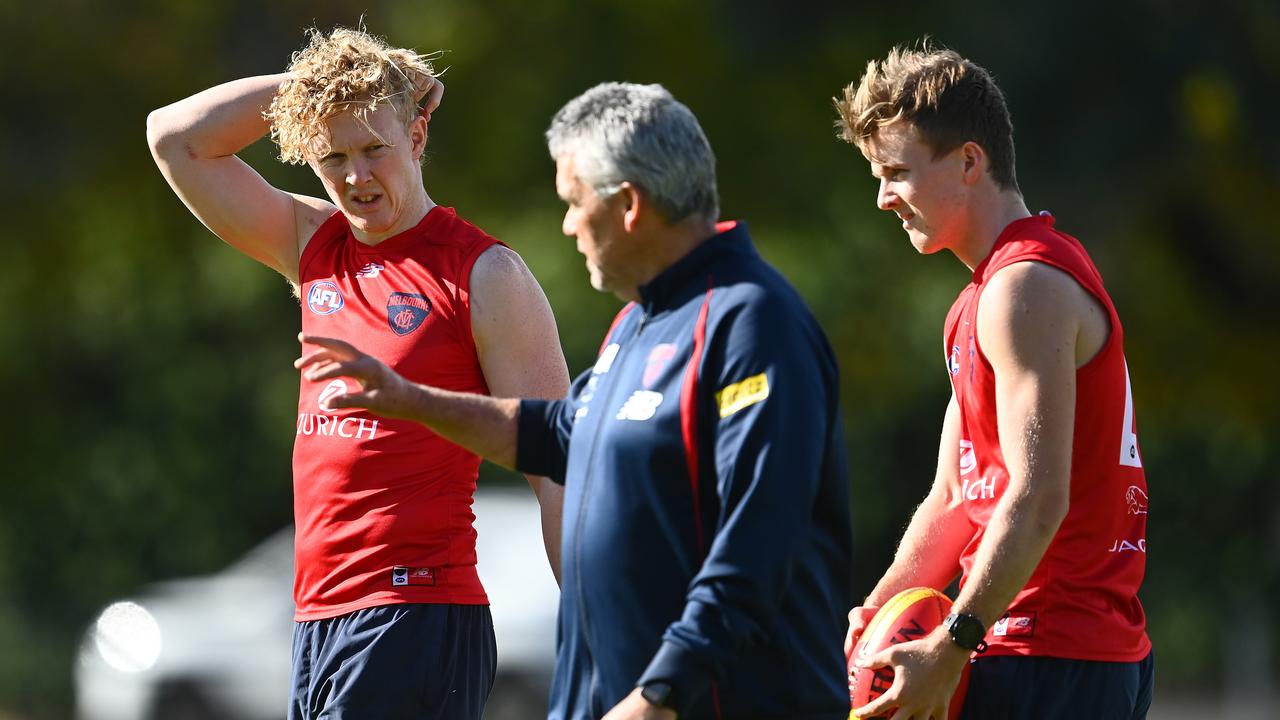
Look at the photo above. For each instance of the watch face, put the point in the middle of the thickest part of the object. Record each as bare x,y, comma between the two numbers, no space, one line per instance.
966,630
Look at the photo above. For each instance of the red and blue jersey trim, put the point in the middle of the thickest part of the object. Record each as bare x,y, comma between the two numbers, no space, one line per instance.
689,416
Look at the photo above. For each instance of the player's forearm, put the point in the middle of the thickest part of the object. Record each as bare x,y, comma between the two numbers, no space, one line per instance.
484,425
929,553
930,550
1015,541
216,122
551,502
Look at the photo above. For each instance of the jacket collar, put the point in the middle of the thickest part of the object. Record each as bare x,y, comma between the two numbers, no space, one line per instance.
664,290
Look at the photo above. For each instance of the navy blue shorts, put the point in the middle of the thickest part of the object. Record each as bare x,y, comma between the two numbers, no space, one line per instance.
395,662
1042,688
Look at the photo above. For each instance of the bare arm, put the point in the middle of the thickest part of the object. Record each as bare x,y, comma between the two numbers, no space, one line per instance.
194,142
1028,328
929,553
519,350
1029,322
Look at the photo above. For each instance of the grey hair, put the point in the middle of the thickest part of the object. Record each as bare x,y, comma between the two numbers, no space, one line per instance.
624,132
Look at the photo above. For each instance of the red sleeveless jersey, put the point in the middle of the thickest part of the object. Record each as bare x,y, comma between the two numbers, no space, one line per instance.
383,507
1081,601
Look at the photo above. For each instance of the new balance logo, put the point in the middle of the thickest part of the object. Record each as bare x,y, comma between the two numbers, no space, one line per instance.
640,406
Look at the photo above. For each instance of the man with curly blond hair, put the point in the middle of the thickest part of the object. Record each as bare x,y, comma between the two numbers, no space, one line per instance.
1033,501
392,621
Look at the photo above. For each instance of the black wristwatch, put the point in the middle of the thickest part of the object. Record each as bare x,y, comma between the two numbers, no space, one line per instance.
966,631
657,693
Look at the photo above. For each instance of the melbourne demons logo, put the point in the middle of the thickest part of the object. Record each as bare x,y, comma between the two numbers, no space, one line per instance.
324,298
405,312
658,359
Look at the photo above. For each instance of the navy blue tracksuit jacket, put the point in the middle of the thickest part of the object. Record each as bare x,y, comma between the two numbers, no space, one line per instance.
706,538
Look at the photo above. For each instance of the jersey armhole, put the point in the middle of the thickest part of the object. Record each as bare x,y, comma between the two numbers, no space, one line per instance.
328,230
1114,332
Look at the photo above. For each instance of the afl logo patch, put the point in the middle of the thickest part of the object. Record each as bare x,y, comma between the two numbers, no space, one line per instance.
405,312
324,298
953,362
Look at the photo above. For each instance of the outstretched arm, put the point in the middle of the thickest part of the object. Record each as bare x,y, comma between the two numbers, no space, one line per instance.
484,425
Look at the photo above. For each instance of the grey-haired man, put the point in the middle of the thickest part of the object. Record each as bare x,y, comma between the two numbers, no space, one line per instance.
706,536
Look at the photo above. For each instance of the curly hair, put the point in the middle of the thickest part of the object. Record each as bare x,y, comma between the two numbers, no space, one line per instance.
949,99
346,70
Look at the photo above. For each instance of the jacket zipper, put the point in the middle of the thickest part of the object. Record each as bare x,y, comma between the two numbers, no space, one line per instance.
582,506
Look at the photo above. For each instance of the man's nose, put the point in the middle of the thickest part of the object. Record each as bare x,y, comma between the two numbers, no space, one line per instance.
358,172
886,198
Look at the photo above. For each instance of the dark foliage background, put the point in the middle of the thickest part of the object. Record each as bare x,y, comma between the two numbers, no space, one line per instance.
146,367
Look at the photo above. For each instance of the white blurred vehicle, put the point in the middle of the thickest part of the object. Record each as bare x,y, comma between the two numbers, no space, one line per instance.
218,647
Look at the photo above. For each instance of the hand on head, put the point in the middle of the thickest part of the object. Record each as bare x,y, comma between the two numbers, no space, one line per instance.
430,90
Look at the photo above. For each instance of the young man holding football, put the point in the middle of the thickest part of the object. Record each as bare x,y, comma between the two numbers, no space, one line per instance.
1033,501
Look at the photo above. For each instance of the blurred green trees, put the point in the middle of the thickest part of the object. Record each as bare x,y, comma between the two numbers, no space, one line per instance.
146,367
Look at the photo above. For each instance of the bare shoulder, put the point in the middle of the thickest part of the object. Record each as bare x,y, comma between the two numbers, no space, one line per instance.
1032,306
505,297
500,278
1032,289
514,329
1030,309
499,263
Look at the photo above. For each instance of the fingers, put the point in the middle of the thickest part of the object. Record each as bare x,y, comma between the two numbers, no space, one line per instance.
313,358
898,712
347,400
887,701
342,349
329,371
432,101
859,618
321,361
885,657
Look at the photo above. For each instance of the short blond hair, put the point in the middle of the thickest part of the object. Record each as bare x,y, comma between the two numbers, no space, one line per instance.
950,100
345,70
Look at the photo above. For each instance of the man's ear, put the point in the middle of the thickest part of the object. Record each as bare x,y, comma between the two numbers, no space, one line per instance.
975,161
418,136
636,205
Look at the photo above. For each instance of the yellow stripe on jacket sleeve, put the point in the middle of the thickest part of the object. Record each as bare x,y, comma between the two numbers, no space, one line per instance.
742,394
